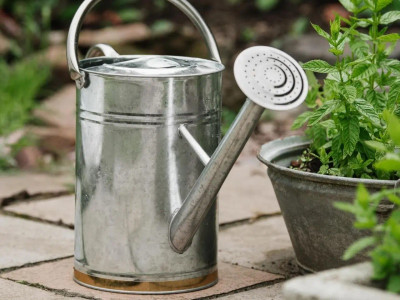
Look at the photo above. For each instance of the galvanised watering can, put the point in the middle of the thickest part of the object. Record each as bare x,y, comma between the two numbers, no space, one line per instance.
146,187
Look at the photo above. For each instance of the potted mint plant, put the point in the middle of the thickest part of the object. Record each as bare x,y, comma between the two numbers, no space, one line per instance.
379,278
346,132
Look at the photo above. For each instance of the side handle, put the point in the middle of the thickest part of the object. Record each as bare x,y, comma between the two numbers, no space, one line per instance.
186,221
101,49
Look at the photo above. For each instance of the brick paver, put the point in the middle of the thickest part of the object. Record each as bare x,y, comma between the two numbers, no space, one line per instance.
246,193
25,241
59,209
59,109
58,275
264,245
33,183
272,292
17,291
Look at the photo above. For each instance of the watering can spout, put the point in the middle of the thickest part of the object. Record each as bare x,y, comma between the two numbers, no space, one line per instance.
270,79
187,219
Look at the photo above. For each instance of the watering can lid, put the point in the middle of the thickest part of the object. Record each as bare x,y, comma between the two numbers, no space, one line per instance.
151,66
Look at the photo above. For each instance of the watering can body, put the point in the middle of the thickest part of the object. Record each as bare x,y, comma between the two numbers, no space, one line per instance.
133,171
133,168
150,161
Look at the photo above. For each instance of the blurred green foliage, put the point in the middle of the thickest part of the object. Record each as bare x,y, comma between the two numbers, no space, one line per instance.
249,34
19,88
299,26
34,18
228,116
264,5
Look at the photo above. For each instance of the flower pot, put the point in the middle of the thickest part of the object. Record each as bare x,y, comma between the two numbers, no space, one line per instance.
319,232
350,283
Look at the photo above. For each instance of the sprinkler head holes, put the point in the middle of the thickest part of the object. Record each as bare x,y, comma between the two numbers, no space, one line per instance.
271,78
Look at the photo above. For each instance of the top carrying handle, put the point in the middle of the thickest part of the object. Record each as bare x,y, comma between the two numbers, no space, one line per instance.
87,5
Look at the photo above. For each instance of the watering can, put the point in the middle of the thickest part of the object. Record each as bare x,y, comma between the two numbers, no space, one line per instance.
150,162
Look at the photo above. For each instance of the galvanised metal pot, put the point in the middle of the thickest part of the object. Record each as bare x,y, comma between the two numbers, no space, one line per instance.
146,212
319,232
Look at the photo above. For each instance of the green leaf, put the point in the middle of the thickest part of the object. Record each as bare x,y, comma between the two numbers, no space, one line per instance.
381,263
328,124
393,284
335,28
364,22
335,51
393,96
359,48
323,111
301,120
363,71
347,207
350,93
389,50
366,223
358,246
365,37
359,60
393,198
367,111
362,196
323,156
319,66
318,135
351,134
393,65
337,153
349,5
323,169
344,37
370,4
377,100
390,17
391,162
321,32
377,146
389,38
381,4
335,76
394,129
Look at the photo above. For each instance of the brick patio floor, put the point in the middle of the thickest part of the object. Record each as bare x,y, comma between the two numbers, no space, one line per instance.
36,234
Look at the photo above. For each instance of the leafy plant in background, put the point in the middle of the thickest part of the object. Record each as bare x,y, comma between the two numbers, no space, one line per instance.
228,116
385,238
34,18
20,85
346,117
264,5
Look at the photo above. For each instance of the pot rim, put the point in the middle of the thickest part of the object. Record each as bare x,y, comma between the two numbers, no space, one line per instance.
279,147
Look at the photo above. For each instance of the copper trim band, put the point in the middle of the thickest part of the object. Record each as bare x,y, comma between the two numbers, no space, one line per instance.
146,287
